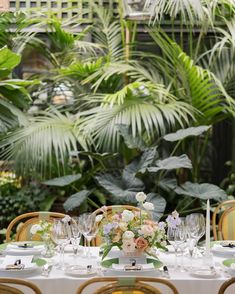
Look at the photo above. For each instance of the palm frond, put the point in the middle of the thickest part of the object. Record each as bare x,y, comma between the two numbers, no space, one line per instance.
46,140
190,11
200,87
107,32
147,108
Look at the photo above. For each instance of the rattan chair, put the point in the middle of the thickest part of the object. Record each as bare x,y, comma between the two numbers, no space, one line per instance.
24,222
225,285
108,210
223,219
6,286
124,285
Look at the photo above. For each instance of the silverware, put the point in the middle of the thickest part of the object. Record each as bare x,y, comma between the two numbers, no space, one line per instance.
166,272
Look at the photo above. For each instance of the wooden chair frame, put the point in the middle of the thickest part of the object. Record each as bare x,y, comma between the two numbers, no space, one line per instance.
19,282
28,219
225,285
139,281
223,206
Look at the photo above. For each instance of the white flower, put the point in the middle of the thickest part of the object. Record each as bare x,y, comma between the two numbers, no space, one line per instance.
127,215
148,206
141,197
128,245
128,235
98,218
66,219
35,228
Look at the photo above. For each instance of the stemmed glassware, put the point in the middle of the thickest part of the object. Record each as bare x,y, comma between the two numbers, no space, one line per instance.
85,225
195,226
91,234
176,237
75,234
60,235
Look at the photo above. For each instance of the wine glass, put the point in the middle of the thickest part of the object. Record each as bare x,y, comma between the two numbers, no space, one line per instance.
75,234
60,235
85,225
91,234
174,236
195,224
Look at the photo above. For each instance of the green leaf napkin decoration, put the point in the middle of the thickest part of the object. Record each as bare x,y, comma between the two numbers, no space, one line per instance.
39,261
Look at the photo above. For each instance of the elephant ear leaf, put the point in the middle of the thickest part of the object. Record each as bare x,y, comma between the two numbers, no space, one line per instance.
203,191
143,162
173,162
184,133
131,142
76,200
159,205
121,190
63,181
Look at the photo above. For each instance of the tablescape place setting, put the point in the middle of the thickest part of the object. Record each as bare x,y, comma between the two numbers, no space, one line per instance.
23,248
21,265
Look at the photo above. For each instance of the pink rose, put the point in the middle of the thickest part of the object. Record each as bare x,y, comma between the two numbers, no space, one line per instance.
141,243
146,230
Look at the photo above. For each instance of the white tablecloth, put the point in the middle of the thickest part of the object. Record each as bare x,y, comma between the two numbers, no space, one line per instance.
60,283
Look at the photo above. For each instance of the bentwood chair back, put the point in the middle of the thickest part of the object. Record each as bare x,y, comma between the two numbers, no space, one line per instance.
24,222
7,286
126,285
225,285
108,210
223,220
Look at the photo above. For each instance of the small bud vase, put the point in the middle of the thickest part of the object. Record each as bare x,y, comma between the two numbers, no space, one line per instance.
49,245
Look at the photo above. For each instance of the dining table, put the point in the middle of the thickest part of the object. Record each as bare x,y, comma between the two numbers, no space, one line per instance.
186,278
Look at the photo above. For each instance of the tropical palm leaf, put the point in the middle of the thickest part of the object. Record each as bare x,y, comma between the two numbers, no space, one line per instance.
190,11
107,32
200,87
46,139
145,107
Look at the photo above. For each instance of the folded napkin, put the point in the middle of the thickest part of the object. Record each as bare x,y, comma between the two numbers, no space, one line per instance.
26,260
15,249
223,248
147,266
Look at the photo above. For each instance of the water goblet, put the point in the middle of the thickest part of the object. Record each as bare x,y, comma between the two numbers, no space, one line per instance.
173,237
60,235
85,224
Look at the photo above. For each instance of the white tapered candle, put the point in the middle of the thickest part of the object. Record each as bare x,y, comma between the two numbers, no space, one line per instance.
208,227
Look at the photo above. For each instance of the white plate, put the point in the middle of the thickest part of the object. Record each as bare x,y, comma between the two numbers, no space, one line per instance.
80,271
16,248
27,270
120,268
204,273
218,249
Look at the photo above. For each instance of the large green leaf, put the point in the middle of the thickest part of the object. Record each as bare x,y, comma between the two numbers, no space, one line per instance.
76,200
8,61
184,133
173,162
141,163
159,204
63,181
122,190
96,156
131,142
202,191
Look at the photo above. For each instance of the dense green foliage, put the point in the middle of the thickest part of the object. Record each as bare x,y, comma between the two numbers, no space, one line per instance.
115,132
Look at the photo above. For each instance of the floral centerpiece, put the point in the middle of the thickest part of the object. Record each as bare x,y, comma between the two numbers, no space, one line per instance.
133,232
